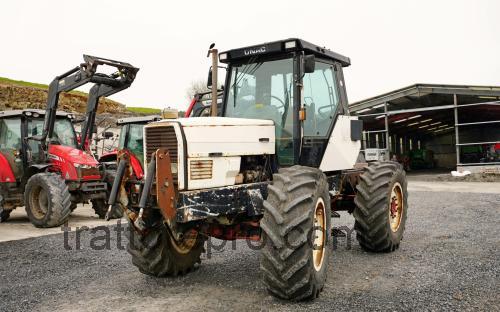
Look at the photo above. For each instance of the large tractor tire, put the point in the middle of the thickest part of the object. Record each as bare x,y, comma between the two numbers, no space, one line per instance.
100,207
4,215
381,207
47,200
296,223
157,253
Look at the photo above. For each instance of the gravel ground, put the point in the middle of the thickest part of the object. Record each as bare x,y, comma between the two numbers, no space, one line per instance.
449,260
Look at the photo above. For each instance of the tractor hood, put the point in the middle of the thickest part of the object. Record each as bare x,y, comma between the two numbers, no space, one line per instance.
223,136
72,155
207,151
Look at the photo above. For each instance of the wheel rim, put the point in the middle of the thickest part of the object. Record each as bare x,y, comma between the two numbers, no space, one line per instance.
319,234
396,207
39,202
185,245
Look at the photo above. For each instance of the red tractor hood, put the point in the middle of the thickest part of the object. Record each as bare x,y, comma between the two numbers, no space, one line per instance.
72,155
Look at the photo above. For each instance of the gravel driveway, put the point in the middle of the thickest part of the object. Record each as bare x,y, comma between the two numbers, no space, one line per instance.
449,259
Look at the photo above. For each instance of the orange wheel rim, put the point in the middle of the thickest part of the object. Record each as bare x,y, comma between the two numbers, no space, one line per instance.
396,207
318,252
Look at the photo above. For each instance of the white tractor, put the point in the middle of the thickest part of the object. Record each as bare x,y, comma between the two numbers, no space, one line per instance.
276,167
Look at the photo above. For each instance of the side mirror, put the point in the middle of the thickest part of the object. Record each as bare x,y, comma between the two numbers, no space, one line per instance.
209,80
309,64
107,134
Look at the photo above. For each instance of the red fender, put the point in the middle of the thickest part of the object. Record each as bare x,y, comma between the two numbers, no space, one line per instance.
136,166
6,173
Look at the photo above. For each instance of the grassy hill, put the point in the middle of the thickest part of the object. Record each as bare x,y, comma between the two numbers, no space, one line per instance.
19,94
144,110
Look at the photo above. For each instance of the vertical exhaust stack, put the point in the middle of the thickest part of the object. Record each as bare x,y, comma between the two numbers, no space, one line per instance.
215,66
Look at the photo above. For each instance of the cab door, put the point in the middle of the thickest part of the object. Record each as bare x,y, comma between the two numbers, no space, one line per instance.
11,144
321,100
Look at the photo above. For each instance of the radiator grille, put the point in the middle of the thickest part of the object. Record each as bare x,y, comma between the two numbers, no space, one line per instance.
200,169
162,137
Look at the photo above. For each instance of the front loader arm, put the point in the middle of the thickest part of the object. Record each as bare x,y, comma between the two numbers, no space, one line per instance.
78,76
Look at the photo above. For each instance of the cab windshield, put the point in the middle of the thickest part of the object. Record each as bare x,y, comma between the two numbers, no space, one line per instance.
264,90
131,138
64,133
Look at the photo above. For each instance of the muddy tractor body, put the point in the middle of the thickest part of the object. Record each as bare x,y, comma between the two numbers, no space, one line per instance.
276,167
53,170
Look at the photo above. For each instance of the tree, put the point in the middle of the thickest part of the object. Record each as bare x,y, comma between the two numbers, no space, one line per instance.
198,86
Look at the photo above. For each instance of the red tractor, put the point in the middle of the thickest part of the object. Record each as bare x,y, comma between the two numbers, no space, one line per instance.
43,165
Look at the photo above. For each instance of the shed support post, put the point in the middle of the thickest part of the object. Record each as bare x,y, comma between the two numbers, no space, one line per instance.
387,146
455,110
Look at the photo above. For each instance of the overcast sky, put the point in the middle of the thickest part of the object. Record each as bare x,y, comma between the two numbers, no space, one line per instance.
391,44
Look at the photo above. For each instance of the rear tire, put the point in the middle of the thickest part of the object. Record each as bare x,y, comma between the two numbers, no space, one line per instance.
378,227
157,254
47,200
294,264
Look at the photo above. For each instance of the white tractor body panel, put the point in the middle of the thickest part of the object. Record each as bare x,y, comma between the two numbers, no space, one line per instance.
341,152
228,136
214,147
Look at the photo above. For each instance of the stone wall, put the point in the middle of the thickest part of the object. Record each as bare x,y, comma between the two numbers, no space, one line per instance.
19,97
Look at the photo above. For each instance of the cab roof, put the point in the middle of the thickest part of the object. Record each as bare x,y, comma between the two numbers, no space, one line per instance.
30,112
142,119
282,46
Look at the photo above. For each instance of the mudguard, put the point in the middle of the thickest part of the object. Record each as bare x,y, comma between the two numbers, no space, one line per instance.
6,173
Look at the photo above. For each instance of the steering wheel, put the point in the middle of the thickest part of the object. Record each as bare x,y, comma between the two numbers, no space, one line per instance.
276,98
324,114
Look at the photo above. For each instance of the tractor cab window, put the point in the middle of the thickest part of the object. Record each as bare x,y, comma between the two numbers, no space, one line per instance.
320,100
123,135
64,133
10,134
135,141
264,90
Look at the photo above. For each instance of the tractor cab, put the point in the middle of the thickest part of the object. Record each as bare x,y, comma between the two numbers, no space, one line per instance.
16,124
131,137
297,85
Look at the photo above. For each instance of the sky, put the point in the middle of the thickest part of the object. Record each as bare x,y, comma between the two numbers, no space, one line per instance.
391,43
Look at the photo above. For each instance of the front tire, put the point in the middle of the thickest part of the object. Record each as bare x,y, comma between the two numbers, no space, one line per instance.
381,207
4,215
296,223
47,200
156,252
100,207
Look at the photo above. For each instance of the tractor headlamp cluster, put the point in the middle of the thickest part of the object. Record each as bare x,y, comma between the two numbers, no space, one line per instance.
290,44
222,56
82,166
86,170
29,114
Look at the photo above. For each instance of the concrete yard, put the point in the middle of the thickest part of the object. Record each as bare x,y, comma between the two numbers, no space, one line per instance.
449,260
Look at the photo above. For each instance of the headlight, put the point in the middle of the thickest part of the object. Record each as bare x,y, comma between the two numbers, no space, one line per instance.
82,166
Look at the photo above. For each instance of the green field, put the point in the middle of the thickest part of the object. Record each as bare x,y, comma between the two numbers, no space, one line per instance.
23,83
144,110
